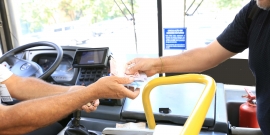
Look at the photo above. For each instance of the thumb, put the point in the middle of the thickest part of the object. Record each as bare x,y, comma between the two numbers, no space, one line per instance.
132,94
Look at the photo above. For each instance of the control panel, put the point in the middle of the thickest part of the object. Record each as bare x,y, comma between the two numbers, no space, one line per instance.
91,74
93,63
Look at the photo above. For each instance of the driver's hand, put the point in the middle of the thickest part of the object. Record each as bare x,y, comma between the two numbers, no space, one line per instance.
91,106
112,87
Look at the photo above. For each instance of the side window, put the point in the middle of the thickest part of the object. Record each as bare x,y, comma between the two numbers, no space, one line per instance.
209,20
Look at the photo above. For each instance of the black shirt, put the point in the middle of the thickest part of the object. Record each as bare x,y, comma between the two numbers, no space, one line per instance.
237,37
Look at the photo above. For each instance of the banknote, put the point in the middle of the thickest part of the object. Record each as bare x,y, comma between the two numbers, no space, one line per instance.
118,69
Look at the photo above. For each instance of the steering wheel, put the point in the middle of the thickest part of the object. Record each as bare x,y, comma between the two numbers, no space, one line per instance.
26,68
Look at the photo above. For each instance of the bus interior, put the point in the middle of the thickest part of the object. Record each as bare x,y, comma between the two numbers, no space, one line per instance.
53,33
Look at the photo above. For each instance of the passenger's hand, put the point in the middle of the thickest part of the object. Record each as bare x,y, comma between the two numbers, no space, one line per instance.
146,65
91,106
113,87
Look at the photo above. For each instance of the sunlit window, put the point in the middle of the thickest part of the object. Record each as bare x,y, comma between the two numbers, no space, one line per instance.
206,20
126,26
92,23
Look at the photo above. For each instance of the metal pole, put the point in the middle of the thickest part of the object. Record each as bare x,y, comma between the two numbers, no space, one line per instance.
160,29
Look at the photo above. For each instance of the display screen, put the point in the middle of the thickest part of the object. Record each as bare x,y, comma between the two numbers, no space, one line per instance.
92,57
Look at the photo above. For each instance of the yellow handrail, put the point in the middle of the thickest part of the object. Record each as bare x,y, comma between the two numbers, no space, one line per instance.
194,122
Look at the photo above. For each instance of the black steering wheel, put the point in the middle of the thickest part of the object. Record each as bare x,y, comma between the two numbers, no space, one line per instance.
26,68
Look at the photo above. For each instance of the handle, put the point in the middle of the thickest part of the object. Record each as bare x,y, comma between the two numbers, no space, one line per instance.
249,95
194,122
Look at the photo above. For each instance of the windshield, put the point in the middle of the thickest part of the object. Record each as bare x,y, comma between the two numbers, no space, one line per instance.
91,23
125,26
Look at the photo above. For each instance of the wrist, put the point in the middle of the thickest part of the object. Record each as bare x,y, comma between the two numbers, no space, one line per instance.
161,66
158,65
93,90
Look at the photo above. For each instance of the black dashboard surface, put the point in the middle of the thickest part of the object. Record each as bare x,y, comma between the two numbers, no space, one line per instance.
64,72
67,72
44,56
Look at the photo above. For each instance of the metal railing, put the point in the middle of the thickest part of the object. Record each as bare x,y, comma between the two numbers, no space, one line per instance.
194,122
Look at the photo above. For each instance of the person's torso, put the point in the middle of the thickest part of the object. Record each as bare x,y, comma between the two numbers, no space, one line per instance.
259,51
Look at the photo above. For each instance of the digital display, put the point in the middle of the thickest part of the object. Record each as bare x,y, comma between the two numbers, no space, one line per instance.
92,57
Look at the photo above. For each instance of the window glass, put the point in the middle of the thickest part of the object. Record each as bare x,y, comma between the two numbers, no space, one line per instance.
93,23
103,23
210,18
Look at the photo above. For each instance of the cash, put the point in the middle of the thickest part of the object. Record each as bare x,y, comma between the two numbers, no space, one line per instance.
118,69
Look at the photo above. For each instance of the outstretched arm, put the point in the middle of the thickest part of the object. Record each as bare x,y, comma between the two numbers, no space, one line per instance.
24,88
195,60
29,115
27,88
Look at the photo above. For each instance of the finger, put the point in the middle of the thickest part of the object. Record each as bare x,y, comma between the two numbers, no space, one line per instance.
132,94
137,89
96,103
131,67
124,80
90,108
86,109
131,61
89,104
131,88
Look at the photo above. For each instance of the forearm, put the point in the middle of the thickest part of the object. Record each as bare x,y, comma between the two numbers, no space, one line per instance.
29,115
29,88
196,60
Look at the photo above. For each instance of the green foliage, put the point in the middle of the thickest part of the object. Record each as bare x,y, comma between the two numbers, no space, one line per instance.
39,13
230,4
75,9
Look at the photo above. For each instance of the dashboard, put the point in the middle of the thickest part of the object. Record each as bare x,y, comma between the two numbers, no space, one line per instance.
71,70
64,72
78,66
45,56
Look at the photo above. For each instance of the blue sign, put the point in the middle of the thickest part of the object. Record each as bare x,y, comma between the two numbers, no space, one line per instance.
175,38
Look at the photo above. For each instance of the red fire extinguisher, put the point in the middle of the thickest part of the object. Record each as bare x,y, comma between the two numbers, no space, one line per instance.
248,111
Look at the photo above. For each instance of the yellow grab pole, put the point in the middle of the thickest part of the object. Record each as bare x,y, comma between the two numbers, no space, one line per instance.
194,122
